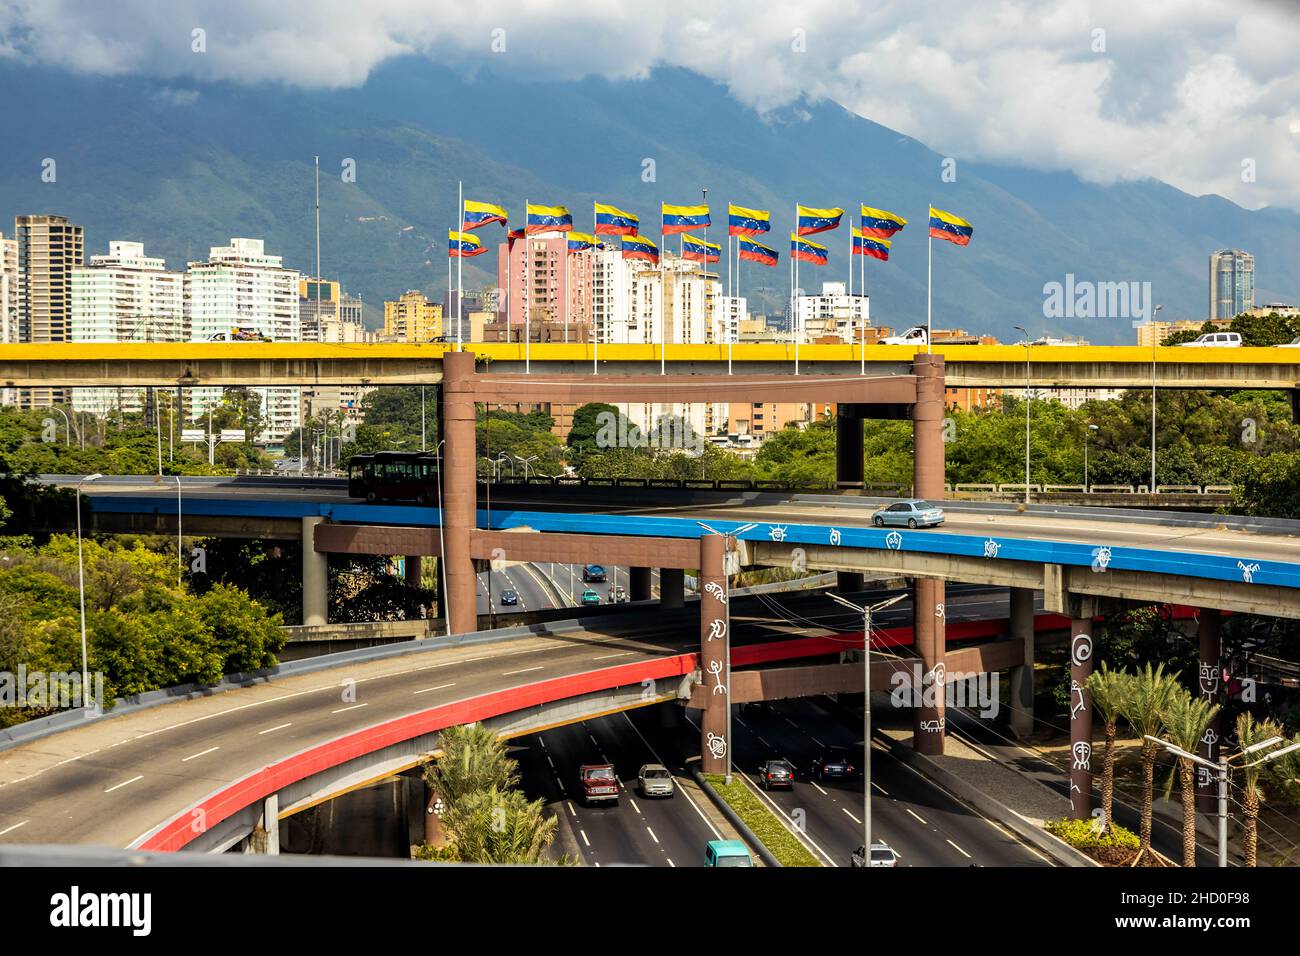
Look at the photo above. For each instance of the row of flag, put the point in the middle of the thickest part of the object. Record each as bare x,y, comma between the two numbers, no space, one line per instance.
872,237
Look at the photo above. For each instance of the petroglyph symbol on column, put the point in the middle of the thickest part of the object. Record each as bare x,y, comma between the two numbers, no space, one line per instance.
1077,703
1101,558
1203,778
1209,678
1082,751
938,678
1211,740
776,532
836,537
893,541
717,745
1075,788
1081,649
939,611
715,668
933,726
991,548
1248,571
715,589
717,629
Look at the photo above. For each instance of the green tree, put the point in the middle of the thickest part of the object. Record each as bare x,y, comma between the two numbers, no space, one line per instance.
1109,690
1185,720
494,826
1249,733
473,759
1144,708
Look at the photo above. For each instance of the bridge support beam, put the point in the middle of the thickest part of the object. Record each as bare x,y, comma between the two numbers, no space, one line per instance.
928,594
850,470
265,838
315,576
639,584
1022,677
459,490
1080,715
1210,686
672,587
715,653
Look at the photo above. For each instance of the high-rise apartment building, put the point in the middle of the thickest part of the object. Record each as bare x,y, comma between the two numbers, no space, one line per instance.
412,318
124,296
1232,283
833,314
241,287
8,303
47,250
327,314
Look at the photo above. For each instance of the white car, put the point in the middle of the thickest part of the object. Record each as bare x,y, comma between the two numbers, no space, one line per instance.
1293,344
882,854
1216,340
913,336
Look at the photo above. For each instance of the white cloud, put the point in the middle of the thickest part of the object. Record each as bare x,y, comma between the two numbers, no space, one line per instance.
1184,90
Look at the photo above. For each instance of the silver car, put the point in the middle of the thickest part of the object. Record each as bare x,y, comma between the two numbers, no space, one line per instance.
910,513
654,780
882,854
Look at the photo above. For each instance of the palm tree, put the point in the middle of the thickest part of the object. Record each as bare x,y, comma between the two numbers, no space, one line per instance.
473,758
491,826
1143,708
1109,690
1249,733
1186,719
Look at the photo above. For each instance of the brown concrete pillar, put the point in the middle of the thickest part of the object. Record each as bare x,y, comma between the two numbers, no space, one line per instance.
1022,678
315,576
1210,686
638,584
414,571
433,808
459,489
1080,718
850,467
928,610
714,653
672,587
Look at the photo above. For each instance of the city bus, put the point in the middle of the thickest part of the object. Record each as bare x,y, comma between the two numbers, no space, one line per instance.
394,476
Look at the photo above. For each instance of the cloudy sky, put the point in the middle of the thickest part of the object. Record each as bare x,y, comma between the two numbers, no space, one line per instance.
1204,94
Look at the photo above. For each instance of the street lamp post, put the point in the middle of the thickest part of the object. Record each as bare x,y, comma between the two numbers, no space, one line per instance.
867,610
81,588
444,591
1086,432
67,425
1154,339
526,462
1028,346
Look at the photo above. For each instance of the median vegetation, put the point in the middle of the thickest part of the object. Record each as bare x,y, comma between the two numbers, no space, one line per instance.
770,830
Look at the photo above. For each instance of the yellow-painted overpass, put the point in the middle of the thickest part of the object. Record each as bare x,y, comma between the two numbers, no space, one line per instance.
303,363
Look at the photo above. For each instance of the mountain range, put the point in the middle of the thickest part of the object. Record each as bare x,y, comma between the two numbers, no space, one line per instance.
183,166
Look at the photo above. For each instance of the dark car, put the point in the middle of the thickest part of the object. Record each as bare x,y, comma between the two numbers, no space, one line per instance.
776,773
832,764
509,597
593,572
757,710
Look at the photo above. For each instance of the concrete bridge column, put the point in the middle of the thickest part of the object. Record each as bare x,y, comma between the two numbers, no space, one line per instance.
1022,677
638,584
413,574
459,490
715,653
315,575
1080,717
672,587
1210,686
265,838
849,471
928,610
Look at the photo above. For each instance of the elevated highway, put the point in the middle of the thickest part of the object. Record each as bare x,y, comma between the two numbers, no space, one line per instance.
310,364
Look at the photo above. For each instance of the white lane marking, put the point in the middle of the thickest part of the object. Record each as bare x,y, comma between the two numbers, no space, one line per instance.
959,850
652,834
605,657
880,788
594,742
583,834
14,827
851,816
275,728
550,761
199,754
764,742
524,670
819,789
798,834
671,863
569,804
634,806
816,741
915,814
343,710
425,690
124,783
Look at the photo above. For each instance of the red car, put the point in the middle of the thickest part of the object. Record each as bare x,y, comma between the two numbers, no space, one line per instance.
597,783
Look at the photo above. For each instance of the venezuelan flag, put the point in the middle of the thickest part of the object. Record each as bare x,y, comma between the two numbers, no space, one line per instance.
463,245
482,214
754,251
879,224
747,222
700,250
944,225
868,246
548,219
581,241
612,221
639,247
818,220
684,218
807,251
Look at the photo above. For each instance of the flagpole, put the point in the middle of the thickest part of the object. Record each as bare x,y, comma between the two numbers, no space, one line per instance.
929,279
798,313
566,291
591,311
508,251
460,200
528,305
